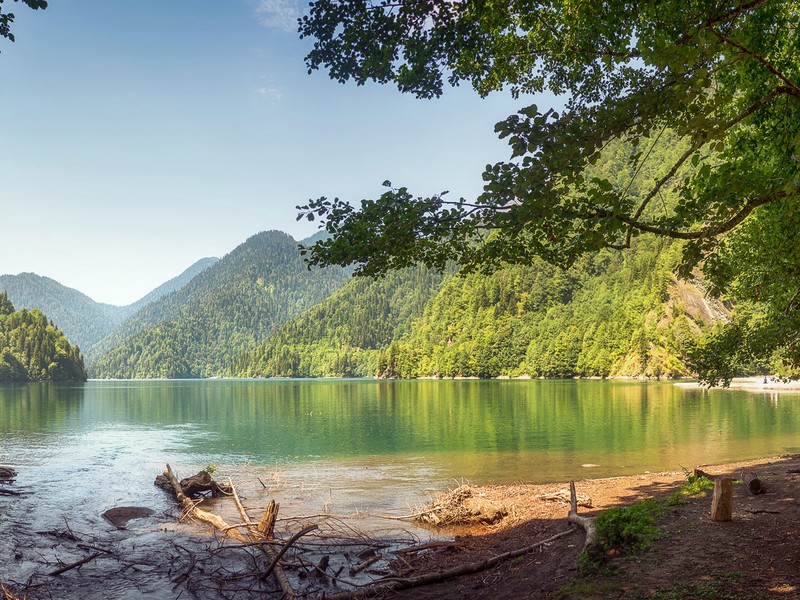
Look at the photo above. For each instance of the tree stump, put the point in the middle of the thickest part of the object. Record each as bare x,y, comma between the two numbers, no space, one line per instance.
722,503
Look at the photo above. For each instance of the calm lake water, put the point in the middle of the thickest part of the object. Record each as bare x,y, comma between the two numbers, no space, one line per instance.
356,438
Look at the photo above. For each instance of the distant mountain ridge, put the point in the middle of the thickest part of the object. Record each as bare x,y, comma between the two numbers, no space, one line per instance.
223,311
83,320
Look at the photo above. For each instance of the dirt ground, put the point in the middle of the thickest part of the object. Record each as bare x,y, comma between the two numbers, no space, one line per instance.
756,555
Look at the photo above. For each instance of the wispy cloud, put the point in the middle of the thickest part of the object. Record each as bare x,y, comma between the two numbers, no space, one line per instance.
271,94
279,14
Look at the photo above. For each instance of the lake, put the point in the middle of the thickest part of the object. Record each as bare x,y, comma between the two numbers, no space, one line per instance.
373,445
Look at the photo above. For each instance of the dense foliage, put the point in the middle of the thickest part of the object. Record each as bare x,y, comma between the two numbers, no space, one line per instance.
723,77
33,349
225,310
344,335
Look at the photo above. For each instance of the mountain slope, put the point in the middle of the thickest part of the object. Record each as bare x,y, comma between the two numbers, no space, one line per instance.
613,314
223,311
342,335
173,285
84,321
33,349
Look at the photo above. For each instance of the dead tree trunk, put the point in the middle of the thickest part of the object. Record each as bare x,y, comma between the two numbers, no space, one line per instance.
592,543
254,532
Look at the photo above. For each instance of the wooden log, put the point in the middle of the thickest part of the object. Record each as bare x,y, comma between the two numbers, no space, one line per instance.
701,473
753,483
722,502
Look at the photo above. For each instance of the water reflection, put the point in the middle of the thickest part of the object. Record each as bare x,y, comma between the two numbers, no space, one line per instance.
485,430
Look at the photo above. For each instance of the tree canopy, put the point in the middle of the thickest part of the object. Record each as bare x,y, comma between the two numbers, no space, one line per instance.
716,80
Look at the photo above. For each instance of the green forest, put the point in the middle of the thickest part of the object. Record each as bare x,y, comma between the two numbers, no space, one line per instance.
612,315
33,349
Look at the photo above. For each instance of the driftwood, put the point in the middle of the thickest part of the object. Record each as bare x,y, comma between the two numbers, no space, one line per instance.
274,564
722,502
753,483
364,564
461,506
421,547
74,565
591,544
439,576
189,508
272,557
196,485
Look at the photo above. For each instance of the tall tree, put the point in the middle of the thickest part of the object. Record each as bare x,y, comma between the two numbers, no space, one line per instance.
717,79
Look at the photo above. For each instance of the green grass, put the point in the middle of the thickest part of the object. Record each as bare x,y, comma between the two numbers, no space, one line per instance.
695,484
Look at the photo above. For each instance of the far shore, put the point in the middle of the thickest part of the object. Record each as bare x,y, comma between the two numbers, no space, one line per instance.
752,384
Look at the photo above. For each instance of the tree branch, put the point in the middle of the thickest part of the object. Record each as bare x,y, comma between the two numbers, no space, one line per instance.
713,231
795,90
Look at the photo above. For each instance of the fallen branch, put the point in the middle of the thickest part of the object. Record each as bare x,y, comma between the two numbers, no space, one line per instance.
256,534
74,565
285,547
439,576
421,547
587,523
364,564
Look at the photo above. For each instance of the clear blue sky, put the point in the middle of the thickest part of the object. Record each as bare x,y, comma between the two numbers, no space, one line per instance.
138,137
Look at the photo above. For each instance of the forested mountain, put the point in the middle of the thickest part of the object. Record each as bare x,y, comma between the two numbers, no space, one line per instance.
613,314
225,310
344,334
83,320
33,349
